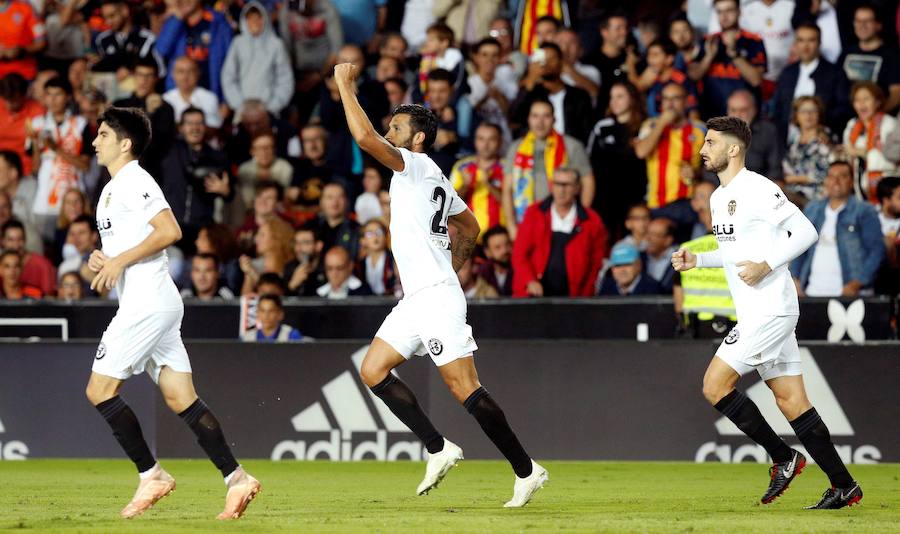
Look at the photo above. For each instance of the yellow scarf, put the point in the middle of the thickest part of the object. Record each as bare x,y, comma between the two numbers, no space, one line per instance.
555,156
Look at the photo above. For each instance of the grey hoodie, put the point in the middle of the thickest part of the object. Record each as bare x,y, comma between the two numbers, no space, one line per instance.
257,67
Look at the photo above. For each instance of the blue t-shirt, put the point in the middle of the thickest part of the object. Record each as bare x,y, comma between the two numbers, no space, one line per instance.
293,335
358,19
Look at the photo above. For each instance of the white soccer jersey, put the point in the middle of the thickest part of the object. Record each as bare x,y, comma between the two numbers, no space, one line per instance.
773,24
745,217
127,204
422,199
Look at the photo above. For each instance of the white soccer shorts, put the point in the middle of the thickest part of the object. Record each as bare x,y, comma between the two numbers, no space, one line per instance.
767,344
133,343
433,322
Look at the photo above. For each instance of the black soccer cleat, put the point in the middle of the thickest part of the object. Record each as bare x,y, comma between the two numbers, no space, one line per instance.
782,473
835,498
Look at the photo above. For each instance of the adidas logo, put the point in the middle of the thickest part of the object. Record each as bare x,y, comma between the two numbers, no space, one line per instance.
12,450
345,397
821,396
846,321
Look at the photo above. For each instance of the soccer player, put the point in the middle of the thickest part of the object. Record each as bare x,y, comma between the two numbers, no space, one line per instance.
136,225
431,318
759,231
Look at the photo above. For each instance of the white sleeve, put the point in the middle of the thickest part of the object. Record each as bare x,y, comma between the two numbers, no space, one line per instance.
457,205
772,205
408,162
146,199
711,259
803,235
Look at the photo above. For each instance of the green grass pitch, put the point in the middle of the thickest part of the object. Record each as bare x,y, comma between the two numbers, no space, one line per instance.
86,496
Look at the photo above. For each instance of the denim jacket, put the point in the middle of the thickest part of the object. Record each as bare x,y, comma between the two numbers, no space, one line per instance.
859,242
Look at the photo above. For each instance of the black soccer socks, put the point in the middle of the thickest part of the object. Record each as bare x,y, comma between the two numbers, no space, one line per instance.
746,416
127,431
402,402
489,415
209,436
814,435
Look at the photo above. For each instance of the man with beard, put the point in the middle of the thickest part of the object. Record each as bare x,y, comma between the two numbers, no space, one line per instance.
305,273
497,271
759,231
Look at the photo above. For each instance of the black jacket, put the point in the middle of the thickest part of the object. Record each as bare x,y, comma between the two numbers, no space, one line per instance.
832,87
578,111
183,172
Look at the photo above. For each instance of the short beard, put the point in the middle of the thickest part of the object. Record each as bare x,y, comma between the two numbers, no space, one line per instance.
717,167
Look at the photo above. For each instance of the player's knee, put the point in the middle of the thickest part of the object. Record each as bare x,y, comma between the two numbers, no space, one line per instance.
461,388
371,373
97,394
713,391
792,406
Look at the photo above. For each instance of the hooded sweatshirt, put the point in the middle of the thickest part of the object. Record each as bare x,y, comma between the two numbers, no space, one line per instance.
257,67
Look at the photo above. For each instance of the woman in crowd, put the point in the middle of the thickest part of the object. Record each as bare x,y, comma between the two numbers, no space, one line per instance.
75,203
376,267
274,248
864,137
806,159
218,240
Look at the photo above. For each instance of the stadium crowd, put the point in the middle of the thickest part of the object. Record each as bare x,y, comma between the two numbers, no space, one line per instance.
571,128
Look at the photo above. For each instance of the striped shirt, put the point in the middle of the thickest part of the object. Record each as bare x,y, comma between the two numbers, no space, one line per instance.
483,204
676,145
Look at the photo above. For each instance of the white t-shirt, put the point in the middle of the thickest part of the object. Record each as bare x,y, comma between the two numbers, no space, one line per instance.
825,279
559,114
773,24
126,205
422,199
745,217
806,86
201,98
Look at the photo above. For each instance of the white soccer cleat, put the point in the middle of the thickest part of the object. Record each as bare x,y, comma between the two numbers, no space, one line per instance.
439,464
150,490
525,488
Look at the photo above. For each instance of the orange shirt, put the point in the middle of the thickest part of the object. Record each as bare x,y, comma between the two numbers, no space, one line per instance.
12,130
19,27
676,145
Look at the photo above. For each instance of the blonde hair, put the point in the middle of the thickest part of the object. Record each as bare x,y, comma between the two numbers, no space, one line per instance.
62,221
283,241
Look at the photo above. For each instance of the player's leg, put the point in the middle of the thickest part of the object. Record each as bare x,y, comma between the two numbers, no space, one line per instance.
375,371
790,395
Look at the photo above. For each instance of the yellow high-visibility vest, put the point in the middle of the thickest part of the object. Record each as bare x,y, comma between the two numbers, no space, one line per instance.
706,290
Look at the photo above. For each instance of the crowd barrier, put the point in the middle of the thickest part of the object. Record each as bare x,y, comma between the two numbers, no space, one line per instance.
569,400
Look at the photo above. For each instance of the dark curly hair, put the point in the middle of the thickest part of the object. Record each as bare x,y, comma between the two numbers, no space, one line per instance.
421,119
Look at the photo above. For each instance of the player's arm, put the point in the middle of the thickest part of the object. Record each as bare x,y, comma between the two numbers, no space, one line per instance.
802,236
466,233
685,260
361,128
165,232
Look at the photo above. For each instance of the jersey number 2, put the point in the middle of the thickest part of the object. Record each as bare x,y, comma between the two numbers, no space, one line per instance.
439,220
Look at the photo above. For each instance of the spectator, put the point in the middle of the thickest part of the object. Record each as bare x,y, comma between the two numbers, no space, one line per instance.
339,273
35,270
531,163
205,280
12,287
360,19
806,161
661,71
732,59
254,121
269,317
438,99
888,280
510,56
18,195
561,244
65,27
194,175
657,257
497,270
492,85
262,167
574,72
187,94
257,65
82,240
61,141
17,111
637,221
376,267
468,19
270,284
386,68
305,273
332,222
218,240
124,44
266,207
572,108
621,177
871,59
22,37
864,137
812,75
438,53
311,172
162,115
71,287
368,205
610,58
682,33
850,248
473,286
478,179
74,205
765,153
671,146
534,20
825,15
626,276
274,248
771,20
700,204
396,90
200,34
312,36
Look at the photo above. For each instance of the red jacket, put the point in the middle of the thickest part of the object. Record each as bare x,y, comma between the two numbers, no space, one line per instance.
584,252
